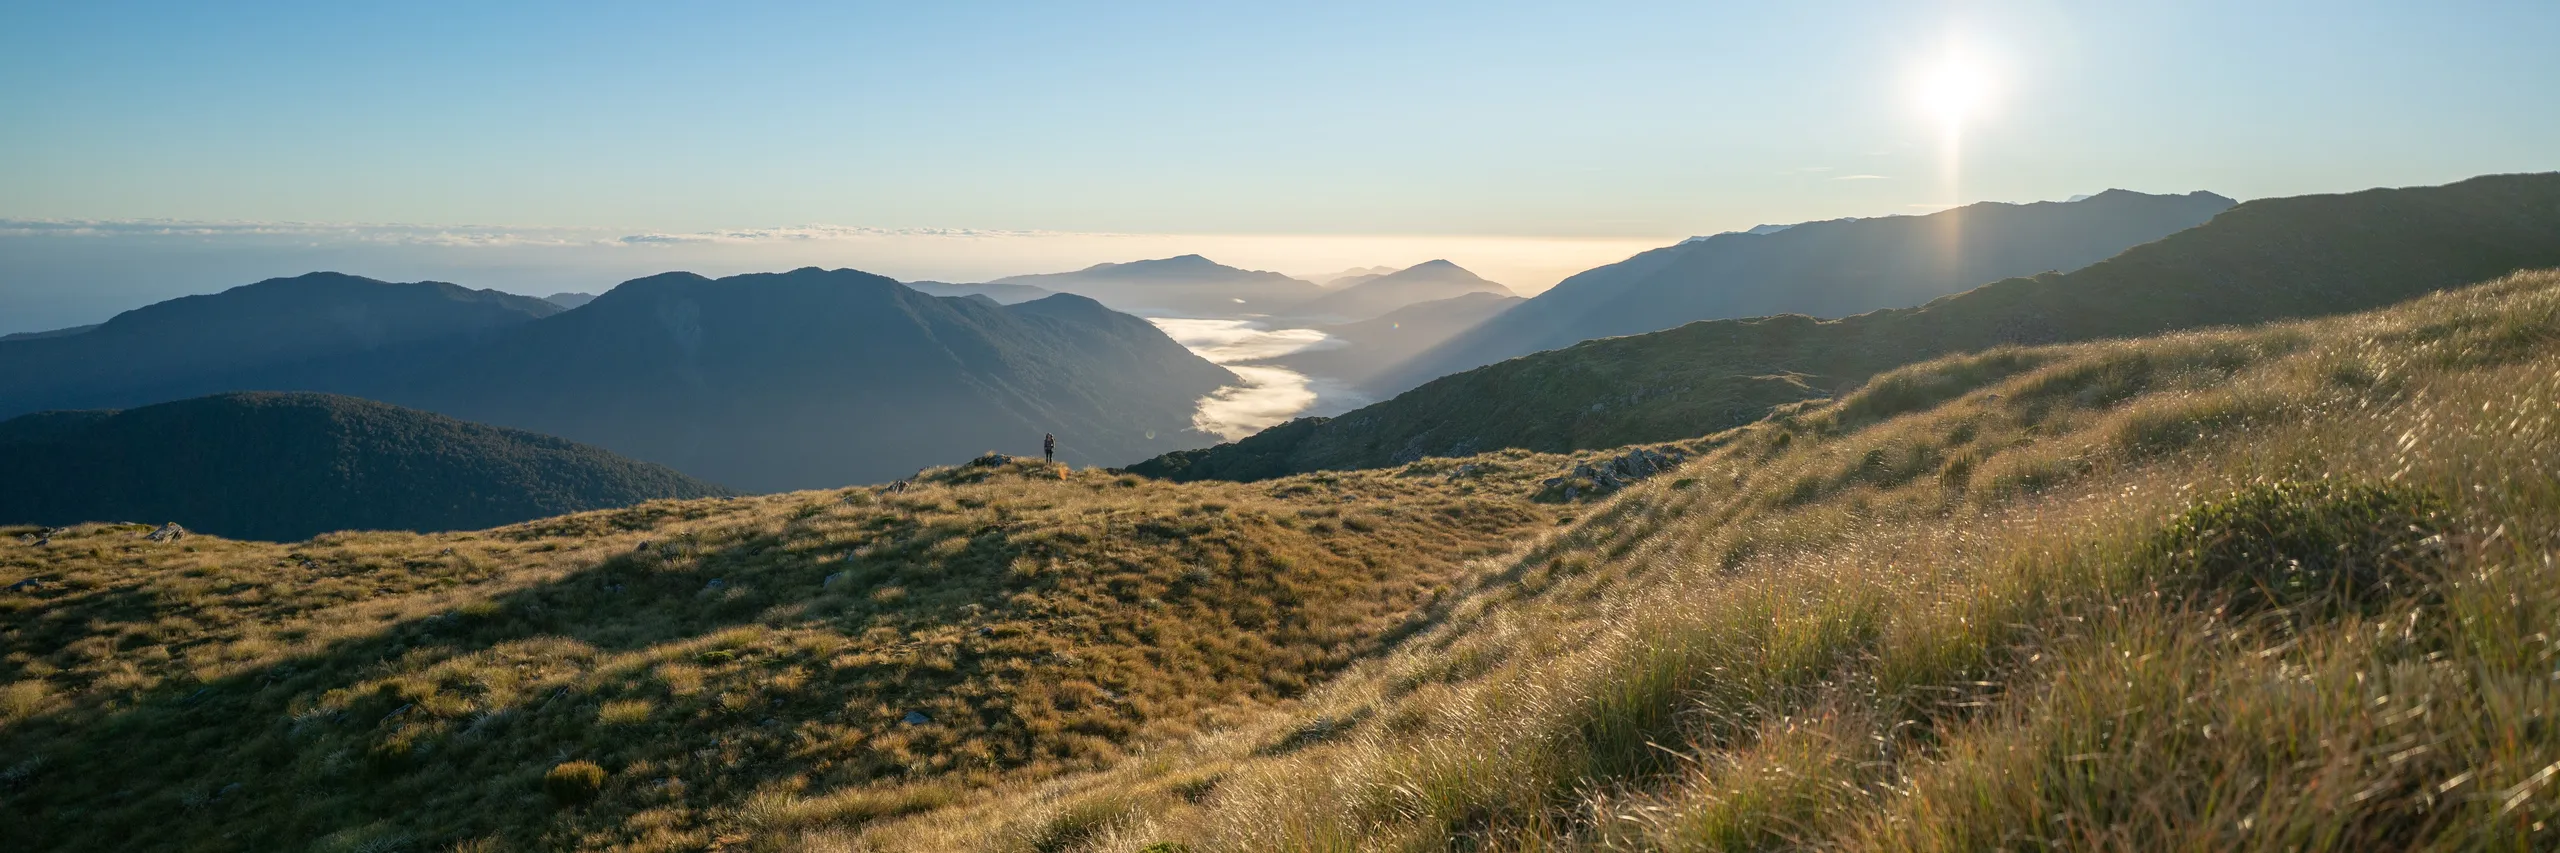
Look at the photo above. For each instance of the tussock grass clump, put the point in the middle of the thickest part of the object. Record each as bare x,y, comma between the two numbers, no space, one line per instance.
2319,544
573,783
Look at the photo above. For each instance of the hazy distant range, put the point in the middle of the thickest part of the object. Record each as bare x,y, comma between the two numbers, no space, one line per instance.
55,274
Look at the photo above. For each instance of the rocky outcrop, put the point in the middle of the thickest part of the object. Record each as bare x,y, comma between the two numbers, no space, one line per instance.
1603,476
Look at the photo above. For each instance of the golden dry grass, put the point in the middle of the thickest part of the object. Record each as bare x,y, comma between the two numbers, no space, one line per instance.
1991,602
740,668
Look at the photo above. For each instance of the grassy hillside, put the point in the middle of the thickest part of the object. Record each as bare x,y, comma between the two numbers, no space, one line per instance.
731,669
2284,588
290,466
2265,260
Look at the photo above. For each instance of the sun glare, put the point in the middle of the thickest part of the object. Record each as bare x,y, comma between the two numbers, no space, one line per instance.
1954,90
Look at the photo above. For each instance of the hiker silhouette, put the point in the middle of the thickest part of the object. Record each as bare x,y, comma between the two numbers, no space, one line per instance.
1048,447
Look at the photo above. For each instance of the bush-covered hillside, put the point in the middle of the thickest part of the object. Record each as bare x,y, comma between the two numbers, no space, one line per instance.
290,466
2286,588
730,669
189,346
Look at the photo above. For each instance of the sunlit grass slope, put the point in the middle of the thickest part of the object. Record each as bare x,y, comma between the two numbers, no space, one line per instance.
2282,588
681,675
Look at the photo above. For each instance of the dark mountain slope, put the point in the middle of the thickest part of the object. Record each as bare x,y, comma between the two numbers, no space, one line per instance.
290,466
1365,348
49,333
1429,281
2264,260
1346,278
803,379
1008,294
182,347
1824,269
1187,285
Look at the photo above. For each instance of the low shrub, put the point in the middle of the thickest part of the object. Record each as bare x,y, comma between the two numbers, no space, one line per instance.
574,783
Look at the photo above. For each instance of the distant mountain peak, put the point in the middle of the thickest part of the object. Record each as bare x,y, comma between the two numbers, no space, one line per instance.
1183,285
1429,281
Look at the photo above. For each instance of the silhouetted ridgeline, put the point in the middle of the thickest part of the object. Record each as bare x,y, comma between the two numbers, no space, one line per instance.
190,346
1824,269
290,466
1189,285
811,378
1429,281
764,382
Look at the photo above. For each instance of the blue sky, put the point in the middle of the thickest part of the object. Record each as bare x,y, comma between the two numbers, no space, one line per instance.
1568,121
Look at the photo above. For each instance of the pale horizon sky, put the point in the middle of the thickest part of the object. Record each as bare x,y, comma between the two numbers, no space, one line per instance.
1536,139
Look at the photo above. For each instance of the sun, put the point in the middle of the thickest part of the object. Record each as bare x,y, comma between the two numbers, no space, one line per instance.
1956,88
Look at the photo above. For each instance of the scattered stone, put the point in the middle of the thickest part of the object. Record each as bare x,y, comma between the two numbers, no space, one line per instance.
169,532
915,718
715,585
396,712
832,580
1609,475
21,773
644,545
991,460
28,585
228,790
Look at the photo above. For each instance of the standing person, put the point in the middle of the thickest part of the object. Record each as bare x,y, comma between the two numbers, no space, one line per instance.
1049,448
